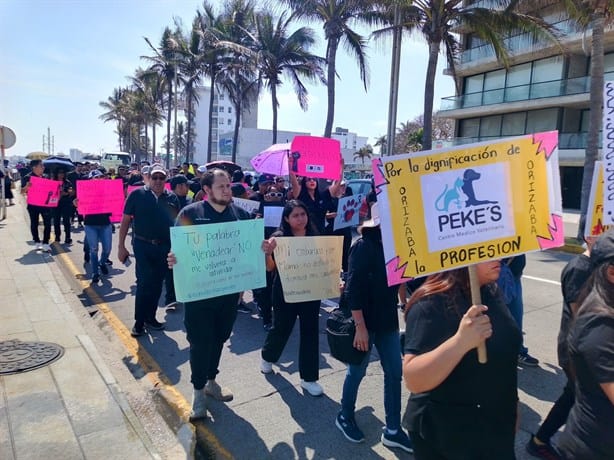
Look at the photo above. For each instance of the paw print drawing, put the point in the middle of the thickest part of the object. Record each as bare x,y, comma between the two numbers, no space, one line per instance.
349,209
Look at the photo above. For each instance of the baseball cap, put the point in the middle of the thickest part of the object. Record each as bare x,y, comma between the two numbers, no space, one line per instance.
157,168
94,173
201,169
603,249
264,178
145,169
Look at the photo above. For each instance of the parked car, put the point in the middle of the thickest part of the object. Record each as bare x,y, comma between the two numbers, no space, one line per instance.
360,186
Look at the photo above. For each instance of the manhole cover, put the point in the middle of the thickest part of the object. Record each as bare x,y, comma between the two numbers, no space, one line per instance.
17,356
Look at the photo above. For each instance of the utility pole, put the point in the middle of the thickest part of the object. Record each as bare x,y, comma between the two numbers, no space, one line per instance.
395,68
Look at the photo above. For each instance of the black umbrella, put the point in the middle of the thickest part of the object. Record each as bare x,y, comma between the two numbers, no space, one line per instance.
227,166
58,163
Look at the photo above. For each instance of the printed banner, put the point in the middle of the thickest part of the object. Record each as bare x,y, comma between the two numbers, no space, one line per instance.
312,156
594,216
272,215
608,154
44,192
101,196
451,208
348,211
309,267
250,206
218,259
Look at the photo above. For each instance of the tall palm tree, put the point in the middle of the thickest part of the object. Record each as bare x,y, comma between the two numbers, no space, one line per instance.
382,143
280,52
593,15
436,21
364,152
337,17
114,106
151,85
164,62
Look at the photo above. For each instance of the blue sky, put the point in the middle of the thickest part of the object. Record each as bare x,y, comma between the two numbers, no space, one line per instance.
60,58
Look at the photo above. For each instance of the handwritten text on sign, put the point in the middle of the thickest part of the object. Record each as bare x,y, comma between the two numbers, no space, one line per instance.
312,156
217,259
309,267
595,224
456,207
44,192
608,153
100,196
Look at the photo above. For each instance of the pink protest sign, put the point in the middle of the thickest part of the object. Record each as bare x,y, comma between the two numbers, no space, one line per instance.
44,192
101,196
315,157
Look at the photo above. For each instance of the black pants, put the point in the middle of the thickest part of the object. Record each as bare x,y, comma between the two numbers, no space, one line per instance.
557,417
208,324
35,212
151,270
169,286
61,217
283,322
264,299
487,450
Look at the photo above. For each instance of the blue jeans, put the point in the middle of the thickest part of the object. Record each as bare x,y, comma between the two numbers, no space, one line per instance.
389,350
95,234
516,308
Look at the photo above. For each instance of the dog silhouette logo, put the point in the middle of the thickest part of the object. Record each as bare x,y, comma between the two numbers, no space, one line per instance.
451,194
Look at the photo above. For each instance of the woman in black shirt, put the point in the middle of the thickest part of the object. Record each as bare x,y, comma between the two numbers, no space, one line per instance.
459,408
306,191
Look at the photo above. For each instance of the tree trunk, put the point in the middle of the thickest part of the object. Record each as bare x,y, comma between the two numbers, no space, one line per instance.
210,133
147,143
595,116
168,123
274,101
153,140
235,136
188,134
331,55
429,95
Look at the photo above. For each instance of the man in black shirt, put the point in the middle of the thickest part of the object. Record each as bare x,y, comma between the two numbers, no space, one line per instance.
209,322
35,211
152,211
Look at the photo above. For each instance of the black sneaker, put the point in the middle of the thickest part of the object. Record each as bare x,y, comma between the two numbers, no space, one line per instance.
109,262
267,326
154,324
104,269
526,360
68,241
96,278
349,428
399,439
86,257
541,451
137,330
243,308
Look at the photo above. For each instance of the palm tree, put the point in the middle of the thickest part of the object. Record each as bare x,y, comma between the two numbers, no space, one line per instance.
115,112
281,53
164,63
593,14
382,143
337,16
151,85
180,139
436,21
364,152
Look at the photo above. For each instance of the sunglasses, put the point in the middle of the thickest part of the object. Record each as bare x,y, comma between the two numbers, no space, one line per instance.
310,179
158,178
275,194
280,180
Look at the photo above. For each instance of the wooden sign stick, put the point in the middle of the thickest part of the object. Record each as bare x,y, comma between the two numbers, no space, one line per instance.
476,299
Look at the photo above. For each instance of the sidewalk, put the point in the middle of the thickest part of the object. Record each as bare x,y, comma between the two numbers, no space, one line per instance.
84,405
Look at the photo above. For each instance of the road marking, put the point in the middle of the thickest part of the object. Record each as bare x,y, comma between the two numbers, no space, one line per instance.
149,365
542,280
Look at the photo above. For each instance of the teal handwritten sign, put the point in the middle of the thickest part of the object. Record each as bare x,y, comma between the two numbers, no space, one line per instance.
217,259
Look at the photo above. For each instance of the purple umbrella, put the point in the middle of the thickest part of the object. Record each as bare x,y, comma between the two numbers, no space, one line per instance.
273,160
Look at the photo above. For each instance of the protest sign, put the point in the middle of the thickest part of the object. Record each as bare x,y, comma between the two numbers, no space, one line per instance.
309,267
101,196
451,208
347,211
250,206
272,215
313,156
217,259
595,225
608,153
132,188
44,192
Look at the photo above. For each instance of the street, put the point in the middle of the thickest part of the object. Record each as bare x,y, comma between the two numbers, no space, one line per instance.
270,417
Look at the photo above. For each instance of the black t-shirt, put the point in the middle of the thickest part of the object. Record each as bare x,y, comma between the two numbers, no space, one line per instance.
573,278
476,400
97,219
315,207
152,216
330,204
589,432
367,288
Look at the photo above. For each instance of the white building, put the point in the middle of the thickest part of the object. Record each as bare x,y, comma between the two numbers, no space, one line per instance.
75,154
350,144
223,121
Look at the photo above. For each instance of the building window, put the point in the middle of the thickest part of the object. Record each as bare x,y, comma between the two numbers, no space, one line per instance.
229,109
221,97
469,128
229,122
542,120
513,124
490,126
220,109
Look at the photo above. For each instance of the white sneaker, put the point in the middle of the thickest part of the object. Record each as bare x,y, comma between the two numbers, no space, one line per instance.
46,248
266,367
199,405
313,388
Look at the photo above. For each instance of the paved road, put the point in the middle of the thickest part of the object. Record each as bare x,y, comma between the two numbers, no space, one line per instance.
270,417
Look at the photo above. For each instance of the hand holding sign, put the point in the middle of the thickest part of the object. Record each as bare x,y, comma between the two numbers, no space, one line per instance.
318,157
